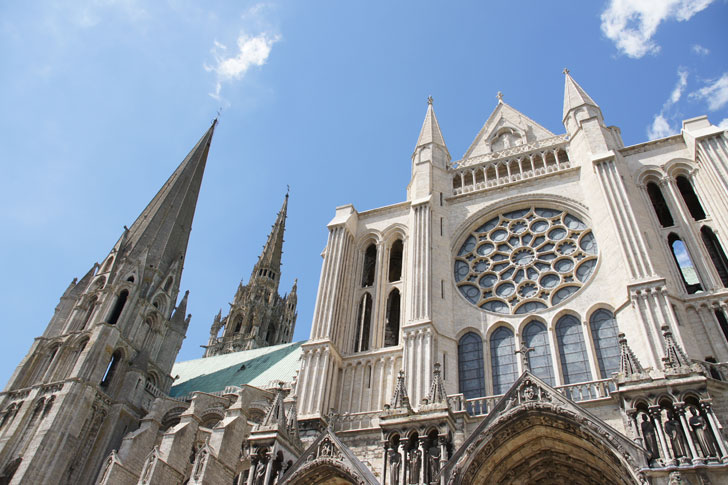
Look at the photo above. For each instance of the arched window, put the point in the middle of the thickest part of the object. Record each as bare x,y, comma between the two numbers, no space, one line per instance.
370,264
572,351
168,284
605,332
238,323
503,360
470,366
722,322
391,328
715,250
111,369
539,359
363,324
118,307
659,204
51,363
690,198
395,261
684,264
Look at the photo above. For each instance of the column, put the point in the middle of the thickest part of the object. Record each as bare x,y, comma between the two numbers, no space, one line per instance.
443,456
656,415
404,462
424,461
706,405
680,411
384,460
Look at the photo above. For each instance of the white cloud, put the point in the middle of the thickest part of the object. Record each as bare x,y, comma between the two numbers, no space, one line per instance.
661,127
723,124
715,93
700,50
631,24
252,51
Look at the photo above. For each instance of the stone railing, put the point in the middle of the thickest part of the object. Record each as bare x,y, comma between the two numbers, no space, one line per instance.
714,370
579,392
153,390
351,421
483,173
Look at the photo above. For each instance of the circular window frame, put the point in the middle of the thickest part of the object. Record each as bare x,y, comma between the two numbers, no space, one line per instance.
516,281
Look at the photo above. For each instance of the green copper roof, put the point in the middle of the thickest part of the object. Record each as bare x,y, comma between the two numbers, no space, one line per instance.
258,367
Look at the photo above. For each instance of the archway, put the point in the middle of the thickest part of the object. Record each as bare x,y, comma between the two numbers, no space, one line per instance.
322,473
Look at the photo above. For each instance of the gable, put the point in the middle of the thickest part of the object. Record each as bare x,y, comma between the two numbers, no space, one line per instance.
505,128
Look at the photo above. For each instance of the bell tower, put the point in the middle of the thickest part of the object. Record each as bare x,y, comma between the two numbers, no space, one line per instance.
107,352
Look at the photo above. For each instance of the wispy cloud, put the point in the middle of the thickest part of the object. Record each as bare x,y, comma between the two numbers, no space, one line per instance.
661,126
723,124
715,93
631,24
700,50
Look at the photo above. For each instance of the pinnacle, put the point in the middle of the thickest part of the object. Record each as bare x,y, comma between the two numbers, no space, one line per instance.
430,132
574,95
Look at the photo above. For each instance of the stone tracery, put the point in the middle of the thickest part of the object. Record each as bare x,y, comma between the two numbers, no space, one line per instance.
525,260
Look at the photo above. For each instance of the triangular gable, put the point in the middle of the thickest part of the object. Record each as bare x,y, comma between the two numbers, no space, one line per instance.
328,451
530,391
506,119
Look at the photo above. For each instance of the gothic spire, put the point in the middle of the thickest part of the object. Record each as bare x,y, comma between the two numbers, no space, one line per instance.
628,363
437,393
400,399
574,95
270,258
162,229
430,132
674,355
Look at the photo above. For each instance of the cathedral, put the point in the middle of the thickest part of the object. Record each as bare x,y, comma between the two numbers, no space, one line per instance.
548,309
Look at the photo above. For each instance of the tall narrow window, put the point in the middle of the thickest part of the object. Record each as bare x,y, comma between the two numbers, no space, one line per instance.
391,328
89,312
370,264
684,264
363,324
572,351
539,359
717,255
690,198
470,366
606,342
118,307
238,324
659,204
111,369
395,261
503,360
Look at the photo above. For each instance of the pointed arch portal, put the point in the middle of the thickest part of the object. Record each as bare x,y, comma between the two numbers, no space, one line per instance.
535,435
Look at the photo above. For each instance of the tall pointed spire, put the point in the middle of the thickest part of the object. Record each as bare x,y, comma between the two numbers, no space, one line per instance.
430,132
574,95
162,230
270,258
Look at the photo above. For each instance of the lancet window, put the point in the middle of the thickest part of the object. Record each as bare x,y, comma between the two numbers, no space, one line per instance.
539,359
662,211
503,360
684,264
391,326
118,307
395,261
470,366
370,265
363,324
111,369
690,197
604,332
572,351
717,255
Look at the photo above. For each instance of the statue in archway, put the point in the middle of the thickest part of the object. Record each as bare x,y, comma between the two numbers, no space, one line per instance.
433,461
395,462
415,464
650,437
702,433
673,430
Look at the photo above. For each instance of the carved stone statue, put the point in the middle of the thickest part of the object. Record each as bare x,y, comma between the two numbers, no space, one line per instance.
648,433
395,463
415,464
702,433
433,462
673,430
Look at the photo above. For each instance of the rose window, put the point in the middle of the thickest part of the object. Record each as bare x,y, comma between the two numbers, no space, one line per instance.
525,260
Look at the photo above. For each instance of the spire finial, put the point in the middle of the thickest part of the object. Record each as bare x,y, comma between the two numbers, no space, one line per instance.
429,100
566,70
288,190
499,96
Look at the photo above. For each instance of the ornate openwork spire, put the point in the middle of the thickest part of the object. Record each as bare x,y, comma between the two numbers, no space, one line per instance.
437,393
270,258
293,421
400,399
628,363
674,355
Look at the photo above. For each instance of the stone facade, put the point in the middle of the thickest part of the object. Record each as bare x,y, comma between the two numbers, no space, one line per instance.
548,309
258,316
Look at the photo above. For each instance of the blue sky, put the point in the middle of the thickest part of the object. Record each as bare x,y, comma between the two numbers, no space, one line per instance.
101,100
